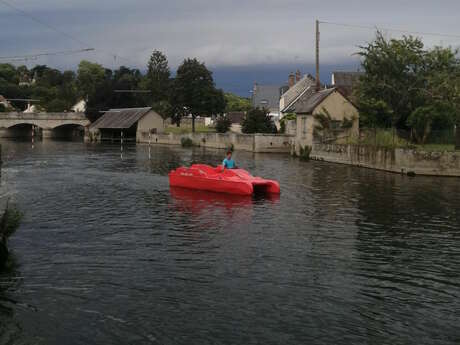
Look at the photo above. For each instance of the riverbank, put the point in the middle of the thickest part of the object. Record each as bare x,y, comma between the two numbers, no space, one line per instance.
397,160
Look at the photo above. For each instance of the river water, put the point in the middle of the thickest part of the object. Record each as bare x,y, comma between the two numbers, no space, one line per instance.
108,254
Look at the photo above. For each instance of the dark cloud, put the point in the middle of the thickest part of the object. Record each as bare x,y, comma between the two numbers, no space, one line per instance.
224,34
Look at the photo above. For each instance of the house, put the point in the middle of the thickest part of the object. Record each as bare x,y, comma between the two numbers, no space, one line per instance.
346,81
4,102
298,86
129,123
79,107
267,96
339,113
31,108
236,117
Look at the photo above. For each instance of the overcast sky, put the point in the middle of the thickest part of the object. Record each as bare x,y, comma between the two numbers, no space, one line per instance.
252,37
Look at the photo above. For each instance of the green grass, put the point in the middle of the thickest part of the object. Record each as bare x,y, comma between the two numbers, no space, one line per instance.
436,147
381,138
185,130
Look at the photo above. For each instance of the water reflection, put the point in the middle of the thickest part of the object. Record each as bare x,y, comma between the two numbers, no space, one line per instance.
109,254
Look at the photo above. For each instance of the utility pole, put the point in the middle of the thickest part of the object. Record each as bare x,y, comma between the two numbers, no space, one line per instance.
318,84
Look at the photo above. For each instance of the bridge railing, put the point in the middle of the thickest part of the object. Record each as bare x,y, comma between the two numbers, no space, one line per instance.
43,116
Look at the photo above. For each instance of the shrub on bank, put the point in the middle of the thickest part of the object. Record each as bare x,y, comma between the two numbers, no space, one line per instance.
186,142
9,222
304,153
223,124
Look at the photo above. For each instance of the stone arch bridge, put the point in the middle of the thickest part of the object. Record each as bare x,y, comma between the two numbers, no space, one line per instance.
46,125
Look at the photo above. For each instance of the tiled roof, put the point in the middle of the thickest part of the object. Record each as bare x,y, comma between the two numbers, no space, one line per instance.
346,81
308,102
295,91
120,118
346,78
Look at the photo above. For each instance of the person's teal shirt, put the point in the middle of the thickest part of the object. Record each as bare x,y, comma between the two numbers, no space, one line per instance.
228,163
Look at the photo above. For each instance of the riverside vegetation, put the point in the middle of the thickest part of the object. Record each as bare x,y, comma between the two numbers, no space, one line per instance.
9,222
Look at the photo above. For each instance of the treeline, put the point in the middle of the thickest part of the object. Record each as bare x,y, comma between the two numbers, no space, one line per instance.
191,91
409,87
55,90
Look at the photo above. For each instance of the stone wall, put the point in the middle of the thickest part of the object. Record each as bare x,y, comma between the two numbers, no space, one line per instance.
407,161
291,127
245,142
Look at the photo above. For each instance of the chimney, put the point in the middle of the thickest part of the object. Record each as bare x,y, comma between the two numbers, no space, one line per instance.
298,76
291,80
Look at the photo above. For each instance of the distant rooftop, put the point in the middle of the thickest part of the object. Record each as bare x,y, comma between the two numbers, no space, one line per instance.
121,118
266,96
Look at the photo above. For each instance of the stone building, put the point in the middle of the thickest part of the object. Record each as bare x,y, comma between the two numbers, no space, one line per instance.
339,112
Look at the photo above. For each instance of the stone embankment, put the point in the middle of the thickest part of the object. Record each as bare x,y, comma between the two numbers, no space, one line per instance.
406,161
273,143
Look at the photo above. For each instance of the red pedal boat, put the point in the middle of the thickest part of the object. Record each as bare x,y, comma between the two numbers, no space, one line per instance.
233,181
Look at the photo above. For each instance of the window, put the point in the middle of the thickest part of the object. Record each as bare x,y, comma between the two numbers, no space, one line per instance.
336,125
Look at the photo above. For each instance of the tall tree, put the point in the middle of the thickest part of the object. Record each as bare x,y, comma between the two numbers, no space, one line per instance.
158,74
393,74
194,91
408,86
89,77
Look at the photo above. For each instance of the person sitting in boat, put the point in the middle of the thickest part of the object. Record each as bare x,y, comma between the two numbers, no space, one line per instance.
228,162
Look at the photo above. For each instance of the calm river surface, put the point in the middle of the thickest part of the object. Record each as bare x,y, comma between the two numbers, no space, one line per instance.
107,254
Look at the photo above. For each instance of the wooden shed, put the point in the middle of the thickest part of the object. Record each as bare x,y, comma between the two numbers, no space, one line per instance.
129,123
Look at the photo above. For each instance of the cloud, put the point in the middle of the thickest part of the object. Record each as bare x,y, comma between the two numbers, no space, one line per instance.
221,33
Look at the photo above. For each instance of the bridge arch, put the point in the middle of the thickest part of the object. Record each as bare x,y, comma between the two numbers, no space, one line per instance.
22,130
66,131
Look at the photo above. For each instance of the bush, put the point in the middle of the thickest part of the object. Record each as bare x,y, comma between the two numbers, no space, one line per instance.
258,121
9,222
223,124
440,115
186,142
304,153
285,119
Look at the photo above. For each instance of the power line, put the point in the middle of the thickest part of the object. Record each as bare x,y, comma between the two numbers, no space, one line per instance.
391,29
26,14
35,56
53,28
132,91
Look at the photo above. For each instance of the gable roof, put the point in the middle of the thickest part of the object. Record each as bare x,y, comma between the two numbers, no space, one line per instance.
346,78
266,96
120,118
346,81
298,89
308,102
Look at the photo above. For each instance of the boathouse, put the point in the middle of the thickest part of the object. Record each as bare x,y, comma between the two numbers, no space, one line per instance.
135,124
